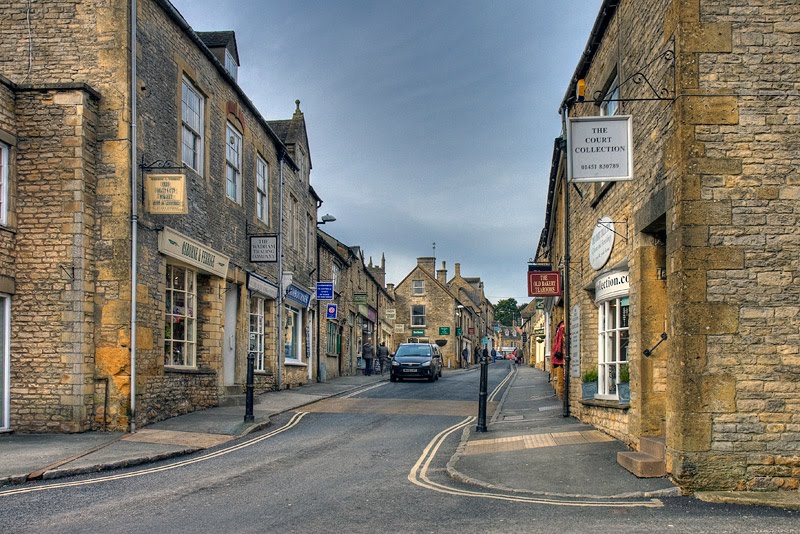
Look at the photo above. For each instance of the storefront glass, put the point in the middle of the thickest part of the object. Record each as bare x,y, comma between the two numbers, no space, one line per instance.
612,344
180,318
257,331
292,335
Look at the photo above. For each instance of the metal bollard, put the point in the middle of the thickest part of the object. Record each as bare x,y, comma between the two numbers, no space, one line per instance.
248,408
482,395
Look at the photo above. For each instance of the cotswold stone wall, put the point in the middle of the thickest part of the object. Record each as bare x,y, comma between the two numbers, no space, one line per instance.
739,207
52,364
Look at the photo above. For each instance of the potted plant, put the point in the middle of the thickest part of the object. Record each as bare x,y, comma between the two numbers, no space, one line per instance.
624,386
589,384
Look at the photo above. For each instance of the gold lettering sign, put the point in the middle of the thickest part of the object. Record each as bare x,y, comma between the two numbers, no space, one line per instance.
166,194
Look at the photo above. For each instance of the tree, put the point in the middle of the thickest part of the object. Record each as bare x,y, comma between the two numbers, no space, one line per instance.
507,311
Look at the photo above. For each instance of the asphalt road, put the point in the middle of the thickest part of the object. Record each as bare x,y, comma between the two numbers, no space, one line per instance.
370,462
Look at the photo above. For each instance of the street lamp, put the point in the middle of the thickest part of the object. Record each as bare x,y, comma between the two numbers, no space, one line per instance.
325,219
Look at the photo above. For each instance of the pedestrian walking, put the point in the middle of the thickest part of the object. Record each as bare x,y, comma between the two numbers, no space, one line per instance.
368,353
494,354
383,357
477,354
465,357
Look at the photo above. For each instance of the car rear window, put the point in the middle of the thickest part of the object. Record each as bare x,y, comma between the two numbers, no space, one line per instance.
413,350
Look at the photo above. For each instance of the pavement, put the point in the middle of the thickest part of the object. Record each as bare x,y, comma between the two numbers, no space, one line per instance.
529,448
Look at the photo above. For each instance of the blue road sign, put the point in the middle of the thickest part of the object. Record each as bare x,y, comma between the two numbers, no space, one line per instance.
324,290
330,311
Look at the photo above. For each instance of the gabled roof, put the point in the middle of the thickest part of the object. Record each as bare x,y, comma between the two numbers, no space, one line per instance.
432,278
220,40
293,131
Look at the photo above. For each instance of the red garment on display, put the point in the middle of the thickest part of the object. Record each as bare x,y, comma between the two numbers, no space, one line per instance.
557,351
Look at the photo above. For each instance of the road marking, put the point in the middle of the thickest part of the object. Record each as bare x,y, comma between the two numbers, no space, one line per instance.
394,407
364,390
208,456
419,477
535,441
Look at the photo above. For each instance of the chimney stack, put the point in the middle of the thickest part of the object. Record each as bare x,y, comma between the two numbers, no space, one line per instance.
428,263
441,274
458,270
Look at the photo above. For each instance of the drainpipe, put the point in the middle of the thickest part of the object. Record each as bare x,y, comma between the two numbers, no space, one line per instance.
567,258
279,363
134,215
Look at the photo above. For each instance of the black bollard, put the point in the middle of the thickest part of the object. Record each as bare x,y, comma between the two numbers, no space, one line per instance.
248,407
482,395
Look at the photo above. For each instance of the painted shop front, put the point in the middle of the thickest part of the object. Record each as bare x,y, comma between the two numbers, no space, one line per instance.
297,328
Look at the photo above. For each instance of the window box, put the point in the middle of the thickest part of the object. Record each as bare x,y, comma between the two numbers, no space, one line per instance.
589,390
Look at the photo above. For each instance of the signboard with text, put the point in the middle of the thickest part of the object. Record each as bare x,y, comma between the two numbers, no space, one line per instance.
330,311
324,290
599,149
166,194
263,248
359,298
544,283
444,330
417,331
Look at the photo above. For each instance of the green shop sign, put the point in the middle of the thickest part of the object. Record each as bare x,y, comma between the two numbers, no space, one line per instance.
444,330
459,331
417,331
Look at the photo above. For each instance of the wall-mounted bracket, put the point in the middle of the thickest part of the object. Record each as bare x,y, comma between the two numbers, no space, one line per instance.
648,352
604,224
646,77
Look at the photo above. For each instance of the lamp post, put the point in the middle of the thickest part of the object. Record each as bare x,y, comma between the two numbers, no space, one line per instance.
325,219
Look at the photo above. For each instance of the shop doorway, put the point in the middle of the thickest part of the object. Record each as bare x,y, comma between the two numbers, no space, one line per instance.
229,332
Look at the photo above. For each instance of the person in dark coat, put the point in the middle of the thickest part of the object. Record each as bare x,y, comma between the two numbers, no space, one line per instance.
368,353
383,356
465,357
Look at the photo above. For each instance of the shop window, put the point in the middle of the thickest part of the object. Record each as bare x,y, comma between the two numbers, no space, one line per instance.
335,275
180,320
417,315
610,103
418,287
292,335
233,164
192,126
334,344
257,331
262,184
612,345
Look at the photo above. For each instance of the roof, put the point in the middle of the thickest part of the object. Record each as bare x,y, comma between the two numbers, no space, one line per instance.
220,39
293,131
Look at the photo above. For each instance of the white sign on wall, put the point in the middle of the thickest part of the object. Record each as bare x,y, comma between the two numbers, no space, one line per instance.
599,149
611,285
602,243
575,340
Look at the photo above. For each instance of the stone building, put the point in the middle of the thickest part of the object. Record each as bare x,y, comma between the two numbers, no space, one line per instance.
682,282
364,307
86,245
429,310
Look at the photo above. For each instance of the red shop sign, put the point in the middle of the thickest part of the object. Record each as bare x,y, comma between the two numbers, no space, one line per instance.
544,283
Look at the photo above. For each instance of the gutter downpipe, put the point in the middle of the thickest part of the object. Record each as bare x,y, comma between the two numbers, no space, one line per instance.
567,258
279,366
134,215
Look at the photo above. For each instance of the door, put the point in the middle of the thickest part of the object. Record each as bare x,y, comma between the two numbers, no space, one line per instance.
5,381
229,333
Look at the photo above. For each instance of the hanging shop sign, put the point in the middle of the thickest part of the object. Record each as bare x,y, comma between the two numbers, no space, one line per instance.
399,328
611,285
259,284
330,311
264,248
165,194
544,283
417,331
391,314
602,243
372,314
186,249
298,295
459,331
599,149
359,298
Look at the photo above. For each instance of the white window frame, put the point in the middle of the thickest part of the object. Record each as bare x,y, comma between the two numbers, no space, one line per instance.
192,124
231,66
333,344
5,176
418,287
262,189
187,315
256,322
5,363
233,163
610,104
612,345
294,327
415,317
335,275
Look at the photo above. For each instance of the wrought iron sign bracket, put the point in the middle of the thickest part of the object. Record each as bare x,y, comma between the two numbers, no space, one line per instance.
158,165
648,352
640,77
604,224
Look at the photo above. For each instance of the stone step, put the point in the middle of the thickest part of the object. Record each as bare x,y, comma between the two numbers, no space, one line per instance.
233,400
654,446
641,464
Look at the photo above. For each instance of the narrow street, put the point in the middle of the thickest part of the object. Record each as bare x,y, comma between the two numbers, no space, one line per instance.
363,462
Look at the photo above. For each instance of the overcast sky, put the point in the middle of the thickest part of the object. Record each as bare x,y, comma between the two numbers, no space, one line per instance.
428,121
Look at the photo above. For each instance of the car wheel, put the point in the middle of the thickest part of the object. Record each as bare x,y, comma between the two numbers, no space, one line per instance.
392,378
432,378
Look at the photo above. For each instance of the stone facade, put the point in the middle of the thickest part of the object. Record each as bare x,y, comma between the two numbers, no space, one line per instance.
707,237
65,254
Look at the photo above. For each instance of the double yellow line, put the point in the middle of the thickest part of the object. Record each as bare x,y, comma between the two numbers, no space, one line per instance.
208,456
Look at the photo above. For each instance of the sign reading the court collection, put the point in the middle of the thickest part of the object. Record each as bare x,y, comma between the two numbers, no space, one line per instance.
186,249
264,248
544,283
599,149
166,194
602,243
